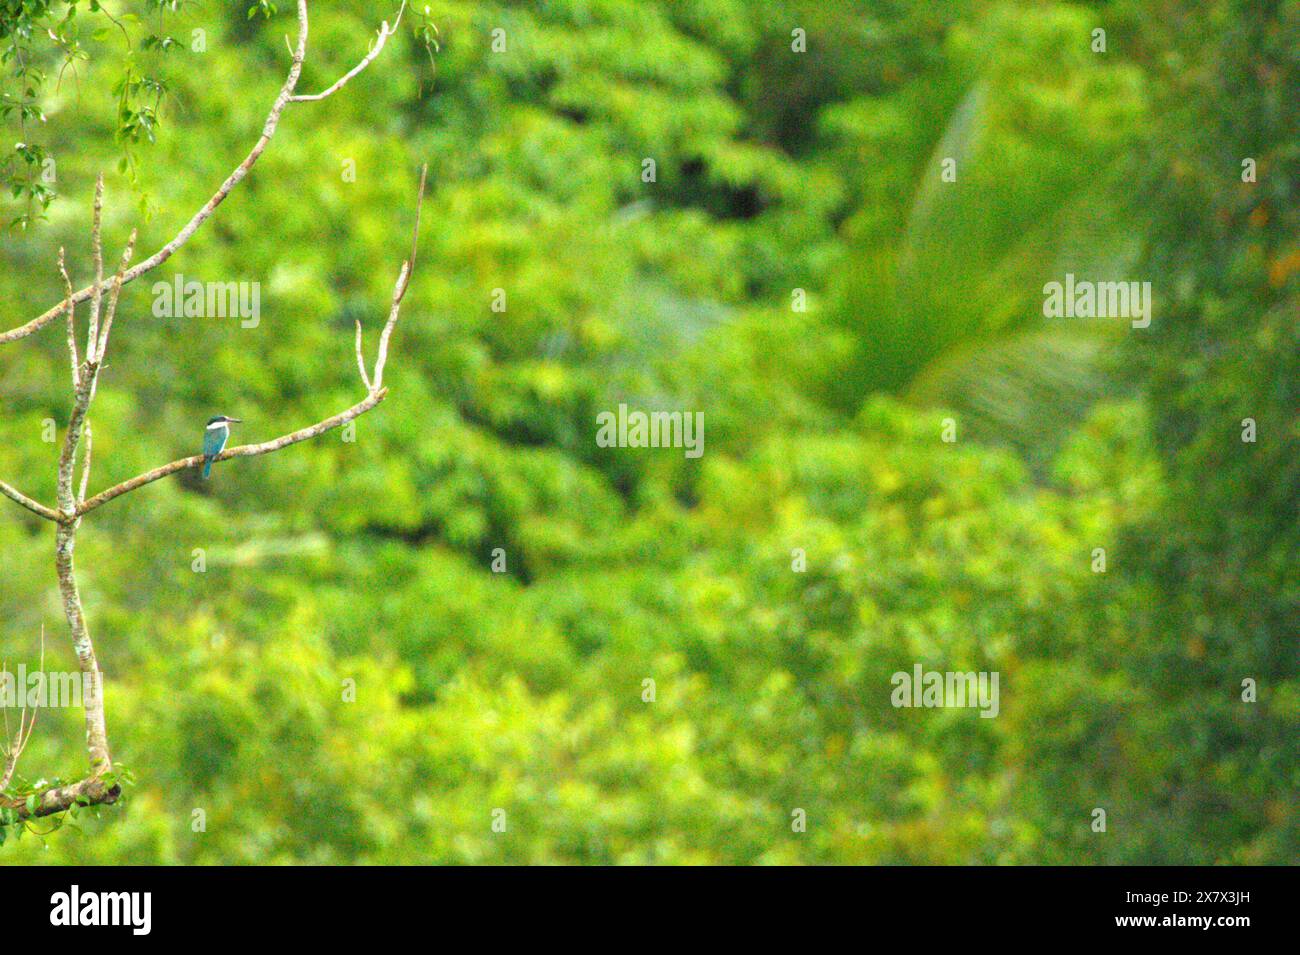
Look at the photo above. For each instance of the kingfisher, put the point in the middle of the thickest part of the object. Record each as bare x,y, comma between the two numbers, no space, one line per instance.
214,439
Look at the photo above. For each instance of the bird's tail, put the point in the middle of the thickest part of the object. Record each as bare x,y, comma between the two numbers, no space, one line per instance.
207,467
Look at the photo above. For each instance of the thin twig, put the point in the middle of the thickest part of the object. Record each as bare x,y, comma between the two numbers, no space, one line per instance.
97,254
361,360
385,31
13,751
72,322
399,290
102,348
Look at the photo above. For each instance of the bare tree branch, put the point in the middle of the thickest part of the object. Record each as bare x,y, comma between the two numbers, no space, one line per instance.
188,230
91,791
268,130
72,322
78,423
102,348
399,290
377,393
85,464
67,458
361,360
385,31
97,256
18,497
99,350
242,451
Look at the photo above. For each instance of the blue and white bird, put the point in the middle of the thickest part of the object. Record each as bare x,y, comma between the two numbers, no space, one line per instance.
214,439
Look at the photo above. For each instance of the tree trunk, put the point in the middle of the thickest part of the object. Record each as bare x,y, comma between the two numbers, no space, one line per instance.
93,682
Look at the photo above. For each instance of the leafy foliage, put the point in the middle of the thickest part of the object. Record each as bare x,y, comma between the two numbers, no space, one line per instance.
366,566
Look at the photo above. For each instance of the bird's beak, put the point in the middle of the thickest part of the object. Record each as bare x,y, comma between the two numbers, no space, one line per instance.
235,420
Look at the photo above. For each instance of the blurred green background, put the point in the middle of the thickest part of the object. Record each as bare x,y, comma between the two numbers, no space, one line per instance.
777,170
